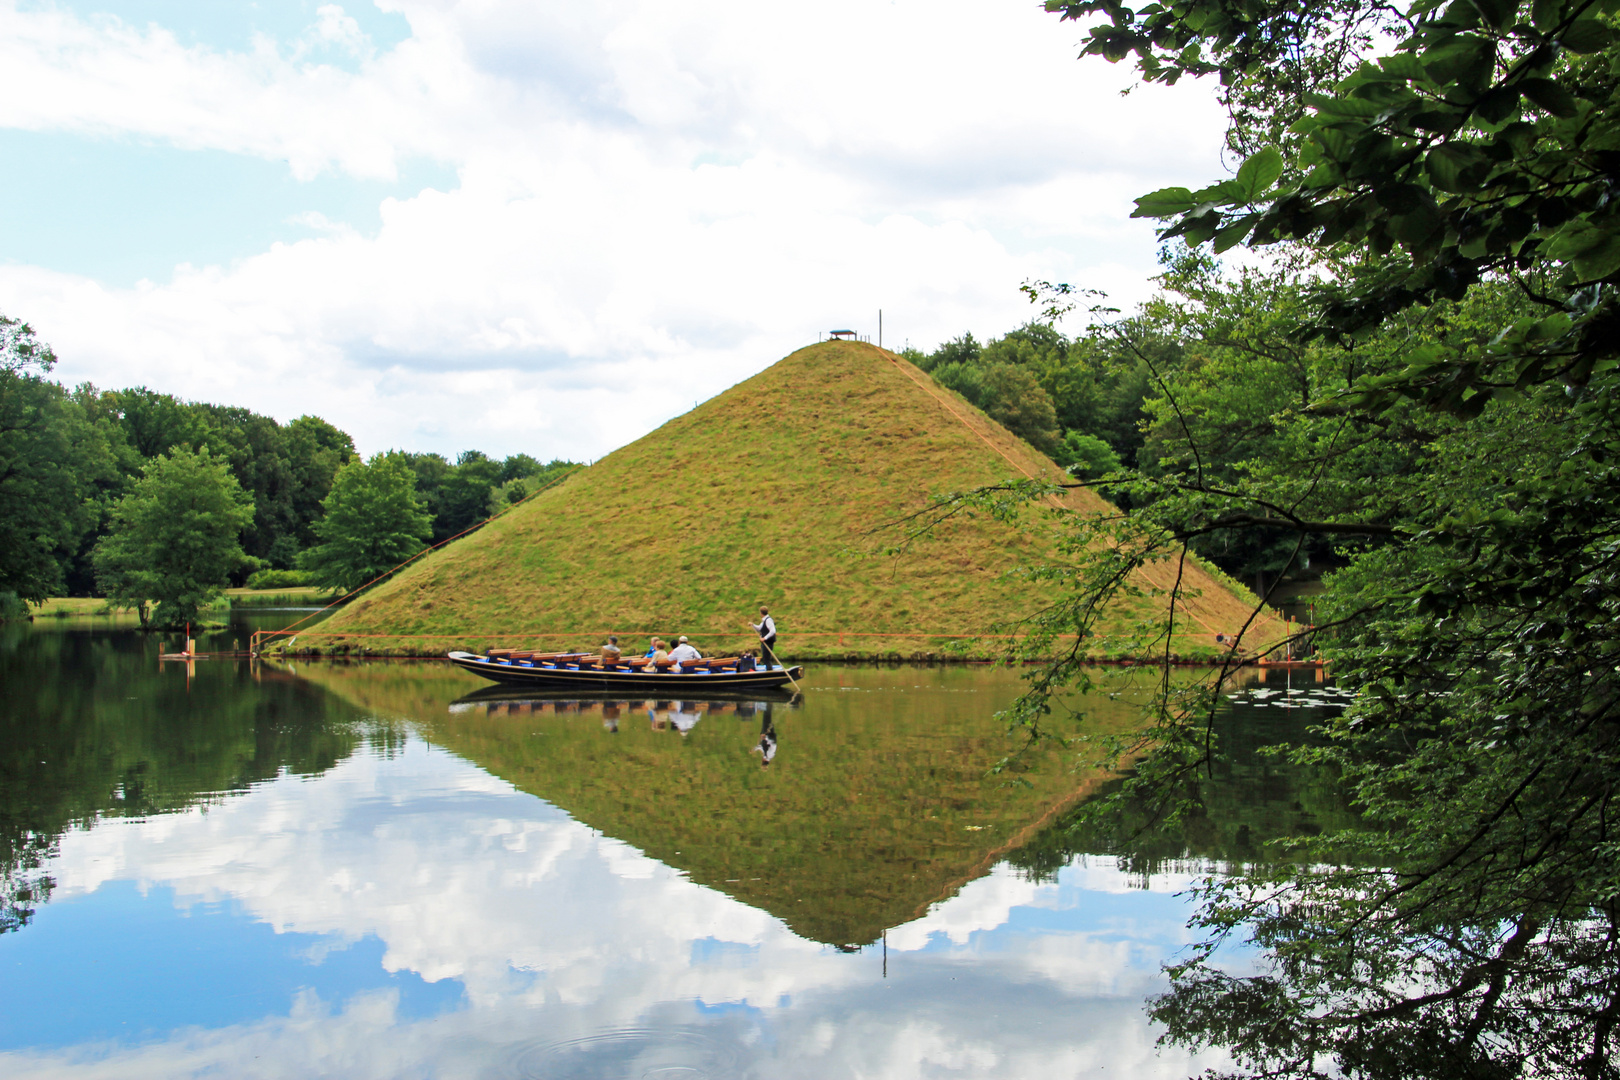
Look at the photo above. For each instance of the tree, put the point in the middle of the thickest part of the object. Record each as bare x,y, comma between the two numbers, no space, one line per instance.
373,522
1014,398
174,537
315,452
1442,181
50,457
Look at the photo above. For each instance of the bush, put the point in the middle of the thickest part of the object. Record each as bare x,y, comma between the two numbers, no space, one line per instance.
1086,455
279,579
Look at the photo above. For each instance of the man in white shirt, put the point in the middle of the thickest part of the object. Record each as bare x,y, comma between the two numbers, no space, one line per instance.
766,629
684,651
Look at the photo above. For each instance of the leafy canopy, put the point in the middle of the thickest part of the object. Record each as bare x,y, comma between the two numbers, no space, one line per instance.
51,457
373,522
1422,392
174,537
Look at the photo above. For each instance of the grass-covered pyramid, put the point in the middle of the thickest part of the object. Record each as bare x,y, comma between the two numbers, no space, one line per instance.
786,490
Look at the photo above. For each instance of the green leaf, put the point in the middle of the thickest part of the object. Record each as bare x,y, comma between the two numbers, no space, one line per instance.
1453,167
1227,191
1335,142
1446,120
1551,96
1200,228
1166,202
1600,261
1404,65
1465,59
1498,104
1594,251
1498,14
1229,236
1586,36
1327,174
1416,226
1546,14
1350,108
1257,175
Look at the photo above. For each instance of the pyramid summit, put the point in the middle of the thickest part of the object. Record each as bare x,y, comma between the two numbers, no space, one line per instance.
790,490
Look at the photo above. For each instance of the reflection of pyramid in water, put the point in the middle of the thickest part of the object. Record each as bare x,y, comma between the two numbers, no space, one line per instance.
784,490
876,807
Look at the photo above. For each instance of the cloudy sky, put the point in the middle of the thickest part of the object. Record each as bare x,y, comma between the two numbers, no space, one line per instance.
522,225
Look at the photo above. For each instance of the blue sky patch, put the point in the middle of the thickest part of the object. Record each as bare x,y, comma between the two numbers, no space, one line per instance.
119,210
117,965
231,25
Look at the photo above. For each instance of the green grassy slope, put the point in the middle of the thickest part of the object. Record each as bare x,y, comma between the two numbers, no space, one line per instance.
878,803
779,492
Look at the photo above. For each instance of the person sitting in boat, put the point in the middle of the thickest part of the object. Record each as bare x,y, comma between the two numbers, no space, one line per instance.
611,651
745,662
653,647
684,651
657,656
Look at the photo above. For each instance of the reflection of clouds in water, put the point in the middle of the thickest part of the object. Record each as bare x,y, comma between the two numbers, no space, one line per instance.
558,933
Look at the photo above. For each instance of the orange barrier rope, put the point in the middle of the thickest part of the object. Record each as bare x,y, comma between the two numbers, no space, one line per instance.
903,368
627,633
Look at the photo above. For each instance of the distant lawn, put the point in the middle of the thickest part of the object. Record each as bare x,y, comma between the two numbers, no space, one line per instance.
68,607
64,607
292,596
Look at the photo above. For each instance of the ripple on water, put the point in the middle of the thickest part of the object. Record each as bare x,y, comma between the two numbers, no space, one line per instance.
630,1054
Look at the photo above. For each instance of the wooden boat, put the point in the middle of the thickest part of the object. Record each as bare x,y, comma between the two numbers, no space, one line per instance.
676,679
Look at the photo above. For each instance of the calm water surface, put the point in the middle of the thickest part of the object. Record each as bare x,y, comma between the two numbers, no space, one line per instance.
386,870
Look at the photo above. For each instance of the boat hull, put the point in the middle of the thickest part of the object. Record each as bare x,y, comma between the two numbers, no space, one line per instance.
676,683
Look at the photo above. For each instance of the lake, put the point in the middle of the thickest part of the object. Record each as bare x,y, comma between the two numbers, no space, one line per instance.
386,869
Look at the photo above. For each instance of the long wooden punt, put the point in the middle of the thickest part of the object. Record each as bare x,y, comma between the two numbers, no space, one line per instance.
637,674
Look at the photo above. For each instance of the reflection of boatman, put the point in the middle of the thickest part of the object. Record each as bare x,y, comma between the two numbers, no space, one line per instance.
685,715
610,716
767,739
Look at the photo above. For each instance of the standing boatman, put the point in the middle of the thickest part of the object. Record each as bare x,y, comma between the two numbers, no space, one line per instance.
766,629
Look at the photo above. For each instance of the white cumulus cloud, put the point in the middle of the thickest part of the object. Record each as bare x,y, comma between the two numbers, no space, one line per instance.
652,201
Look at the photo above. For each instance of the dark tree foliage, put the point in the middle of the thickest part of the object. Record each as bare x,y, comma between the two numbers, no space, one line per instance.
52,457
68,458
1079,402
476,487
287,469
1425,384
373,523
174,539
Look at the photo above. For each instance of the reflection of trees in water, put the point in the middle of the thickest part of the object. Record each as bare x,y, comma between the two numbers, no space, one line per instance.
89,729
1380,990
1228,816
1482,941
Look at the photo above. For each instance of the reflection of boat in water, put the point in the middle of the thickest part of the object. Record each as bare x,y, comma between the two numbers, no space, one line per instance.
664,712
686,678
506,699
